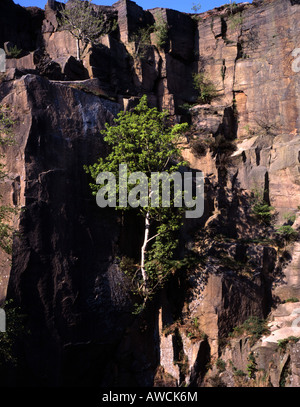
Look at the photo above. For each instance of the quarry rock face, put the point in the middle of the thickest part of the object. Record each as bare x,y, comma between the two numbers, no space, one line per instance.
63,271
20,26
45,167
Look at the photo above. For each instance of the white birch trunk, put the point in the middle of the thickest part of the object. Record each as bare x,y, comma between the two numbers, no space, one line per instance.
78,49
143,250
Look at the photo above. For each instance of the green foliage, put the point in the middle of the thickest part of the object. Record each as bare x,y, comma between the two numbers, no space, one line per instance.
160,257
232,5
289,217
261,210
142,139
196,7
146,142
127,265
14,52
186,107
287,233
249,131
239,373
251,366
235,20
6,129
221,365
84,23
195,322
205,87
161,30
6,212
253,327
142,37
6,230
142,40
292,299
15,331
282,343
193,330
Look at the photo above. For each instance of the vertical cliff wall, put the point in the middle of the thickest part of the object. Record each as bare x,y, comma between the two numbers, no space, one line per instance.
64,272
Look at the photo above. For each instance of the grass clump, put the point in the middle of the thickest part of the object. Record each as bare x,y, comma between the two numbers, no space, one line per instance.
292,299
287,233
239,373
14,52
205,87
253,327
282,343
193,331
221,365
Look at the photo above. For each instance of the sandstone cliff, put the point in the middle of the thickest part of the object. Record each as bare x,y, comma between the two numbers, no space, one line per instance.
64,270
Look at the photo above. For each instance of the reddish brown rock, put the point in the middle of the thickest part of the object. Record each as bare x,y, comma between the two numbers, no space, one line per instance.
20,26
64,270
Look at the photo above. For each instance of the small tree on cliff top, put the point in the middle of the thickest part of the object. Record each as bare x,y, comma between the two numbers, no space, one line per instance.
87,26
145,142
